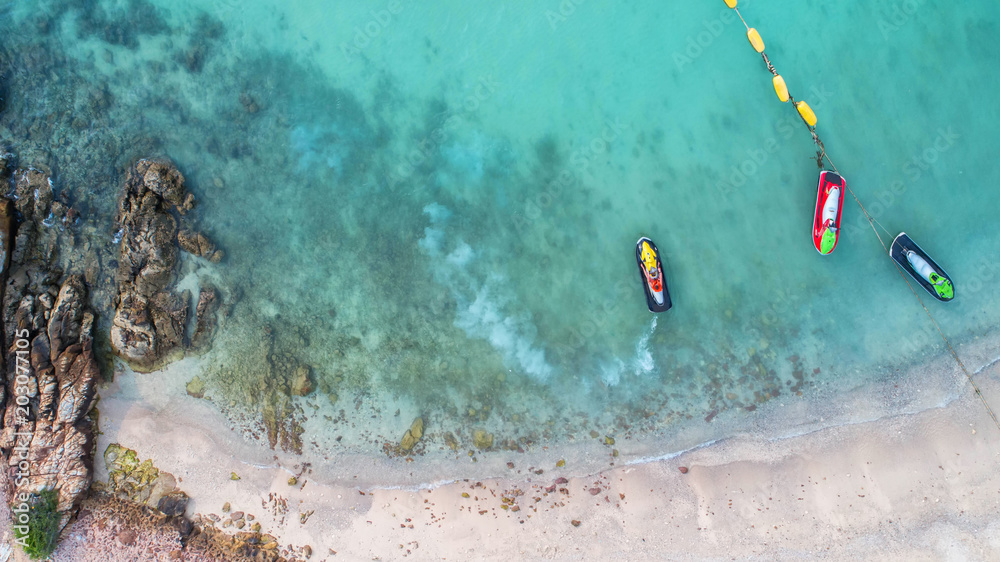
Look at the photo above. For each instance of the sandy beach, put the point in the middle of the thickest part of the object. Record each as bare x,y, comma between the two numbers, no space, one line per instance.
920,486
359,281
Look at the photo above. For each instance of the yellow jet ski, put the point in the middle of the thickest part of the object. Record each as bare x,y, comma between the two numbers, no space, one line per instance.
647,256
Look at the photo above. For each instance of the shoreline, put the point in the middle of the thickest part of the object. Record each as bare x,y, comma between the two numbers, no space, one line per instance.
191,439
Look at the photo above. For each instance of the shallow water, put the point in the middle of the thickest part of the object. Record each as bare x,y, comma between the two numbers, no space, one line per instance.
436,208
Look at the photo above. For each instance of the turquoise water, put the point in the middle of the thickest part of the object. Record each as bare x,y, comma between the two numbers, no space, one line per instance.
435,206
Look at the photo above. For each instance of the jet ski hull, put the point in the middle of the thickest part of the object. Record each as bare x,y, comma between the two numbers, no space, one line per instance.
898,250
663,303
827,181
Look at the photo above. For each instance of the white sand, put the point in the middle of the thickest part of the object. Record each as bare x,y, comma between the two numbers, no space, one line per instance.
907,487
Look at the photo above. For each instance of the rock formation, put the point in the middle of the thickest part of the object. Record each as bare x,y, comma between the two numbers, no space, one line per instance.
49,364
150,315
51,377
141,482
48,265
412,435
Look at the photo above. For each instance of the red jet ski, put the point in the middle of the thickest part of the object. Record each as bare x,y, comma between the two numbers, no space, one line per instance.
829,207
647,256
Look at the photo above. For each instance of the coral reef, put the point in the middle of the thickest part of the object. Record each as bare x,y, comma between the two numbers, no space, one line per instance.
151,315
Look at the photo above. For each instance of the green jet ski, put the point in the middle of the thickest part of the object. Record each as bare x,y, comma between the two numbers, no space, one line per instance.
931,276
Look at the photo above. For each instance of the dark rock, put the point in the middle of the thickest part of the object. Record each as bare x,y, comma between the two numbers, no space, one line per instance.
33,194
66,315
7,223
173,504
151,317
683,469
196,243
183,526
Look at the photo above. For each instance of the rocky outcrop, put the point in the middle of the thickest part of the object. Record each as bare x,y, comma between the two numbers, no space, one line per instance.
51,375
49,364
141,482
7,223
150,314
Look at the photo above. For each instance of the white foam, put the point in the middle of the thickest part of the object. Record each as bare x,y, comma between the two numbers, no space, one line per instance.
484,308
511,336
643,361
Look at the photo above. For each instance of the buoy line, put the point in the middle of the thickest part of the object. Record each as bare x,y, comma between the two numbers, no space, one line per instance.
809,119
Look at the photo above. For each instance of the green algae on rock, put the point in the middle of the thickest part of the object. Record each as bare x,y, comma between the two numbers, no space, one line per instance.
482,440
141,482
196,387
412,435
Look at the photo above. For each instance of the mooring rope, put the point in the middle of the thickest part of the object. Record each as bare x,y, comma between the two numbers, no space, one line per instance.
821,154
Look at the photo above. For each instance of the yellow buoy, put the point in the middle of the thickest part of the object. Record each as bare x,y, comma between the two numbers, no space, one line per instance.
755,40
780,88
731,3
806,113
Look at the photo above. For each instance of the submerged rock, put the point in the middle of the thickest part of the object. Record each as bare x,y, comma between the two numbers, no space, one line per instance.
196,387
482,440
173,504
205,317
196,243
301,383
412,435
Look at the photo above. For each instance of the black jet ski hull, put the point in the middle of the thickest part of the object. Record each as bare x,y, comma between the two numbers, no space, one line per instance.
650,299
898,249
